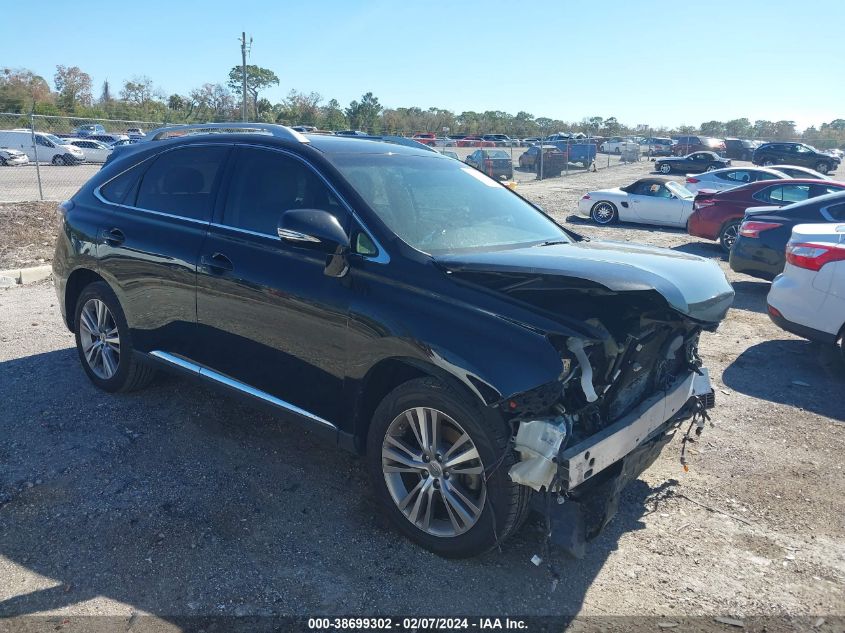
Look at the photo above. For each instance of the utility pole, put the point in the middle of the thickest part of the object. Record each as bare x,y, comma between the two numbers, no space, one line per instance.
243,72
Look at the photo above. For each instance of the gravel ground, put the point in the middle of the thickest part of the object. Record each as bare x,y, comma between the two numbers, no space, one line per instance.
28,234
180,501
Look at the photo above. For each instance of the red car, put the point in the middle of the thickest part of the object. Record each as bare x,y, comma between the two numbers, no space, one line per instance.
474,141
717,214
426,138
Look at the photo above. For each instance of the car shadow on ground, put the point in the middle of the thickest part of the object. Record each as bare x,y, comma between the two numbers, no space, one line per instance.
751,296
710,250
797,373
651,228
180,501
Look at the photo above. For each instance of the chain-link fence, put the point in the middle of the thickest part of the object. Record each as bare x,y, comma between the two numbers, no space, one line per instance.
50,157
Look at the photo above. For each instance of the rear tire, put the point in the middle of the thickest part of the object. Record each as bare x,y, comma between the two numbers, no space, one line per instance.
728,235
104,344
822,167
604,213
483,493
3,162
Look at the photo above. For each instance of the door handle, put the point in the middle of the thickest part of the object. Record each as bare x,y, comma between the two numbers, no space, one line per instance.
217,263
113,237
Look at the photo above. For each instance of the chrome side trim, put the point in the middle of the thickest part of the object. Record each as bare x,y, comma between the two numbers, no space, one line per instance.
296,236
162,214
210,374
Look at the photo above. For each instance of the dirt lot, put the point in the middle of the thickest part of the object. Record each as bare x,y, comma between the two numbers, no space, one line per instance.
180,501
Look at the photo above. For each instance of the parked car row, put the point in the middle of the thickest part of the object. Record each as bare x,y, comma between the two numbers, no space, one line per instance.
46,148
779,223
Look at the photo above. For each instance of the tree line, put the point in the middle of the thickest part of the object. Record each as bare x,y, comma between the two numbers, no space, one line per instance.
138,99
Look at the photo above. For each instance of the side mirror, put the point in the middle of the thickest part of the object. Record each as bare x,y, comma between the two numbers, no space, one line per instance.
318,230
312,228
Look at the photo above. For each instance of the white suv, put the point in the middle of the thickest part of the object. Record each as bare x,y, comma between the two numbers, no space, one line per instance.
808,297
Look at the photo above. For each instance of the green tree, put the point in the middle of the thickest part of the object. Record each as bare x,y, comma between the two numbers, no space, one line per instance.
713,128
105,93
73,86
20,89
740,128
364,115
332,116
257,79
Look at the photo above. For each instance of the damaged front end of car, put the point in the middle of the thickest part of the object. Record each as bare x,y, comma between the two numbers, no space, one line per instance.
621,394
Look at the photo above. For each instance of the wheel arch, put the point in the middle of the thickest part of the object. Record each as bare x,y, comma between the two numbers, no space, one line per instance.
78,280
390,373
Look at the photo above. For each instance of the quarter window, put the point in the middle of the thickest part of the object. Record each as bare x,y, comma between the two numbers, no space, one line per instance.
265,184
837,212
181,181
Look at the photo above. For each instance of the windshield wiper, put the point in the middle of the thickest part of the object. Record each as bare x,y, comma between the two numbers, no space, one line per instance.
554,242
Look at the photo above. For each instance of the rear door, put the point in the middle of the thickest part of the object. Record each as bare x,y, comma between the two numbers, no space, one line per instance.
268,315
149,244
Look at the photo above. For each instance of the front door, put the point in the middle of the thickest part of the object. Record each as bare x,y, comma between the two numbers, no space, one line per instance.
268,315
654,204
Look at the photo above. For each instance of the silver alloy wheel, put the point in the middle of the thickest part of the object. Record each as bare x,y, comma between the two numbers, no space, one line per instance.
768,163
603,213
711,168
822,168
100,339
729,235
665,168
433,472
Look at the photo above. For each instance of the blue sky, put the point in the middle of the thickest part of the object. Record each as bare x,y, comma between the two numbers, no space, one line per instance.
661,63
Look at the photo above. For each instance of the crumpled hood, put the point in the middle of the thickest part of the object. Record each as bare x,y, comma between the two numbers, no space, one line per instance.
692,285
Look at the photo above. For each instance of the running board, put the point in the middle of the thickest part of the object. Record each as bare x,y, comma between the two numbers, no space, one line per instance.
240,387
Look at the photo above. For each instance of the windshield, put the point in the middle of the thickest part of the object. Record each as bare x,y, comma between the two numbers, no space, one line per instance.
442,206
679,190
55,140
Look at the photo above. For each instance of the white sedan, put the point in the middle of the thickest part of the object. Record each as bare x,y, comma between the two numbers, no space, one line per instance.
808,297
730,177
94,151
652,200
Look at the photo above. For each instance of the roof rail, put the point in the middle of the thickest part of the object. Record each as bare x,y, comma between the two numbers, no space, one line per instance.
273,129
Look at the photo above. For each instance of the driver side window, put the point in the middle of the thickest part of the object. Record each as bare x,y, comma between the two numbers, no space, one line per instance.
265,184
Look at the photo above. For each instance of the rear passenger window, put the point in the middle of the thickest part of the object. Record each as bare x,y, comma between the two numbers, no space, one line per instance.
265,184
181,182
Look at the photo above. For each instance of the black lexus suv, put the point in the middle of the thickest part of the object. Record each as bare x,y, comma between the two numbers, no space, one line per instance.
770,154
484,359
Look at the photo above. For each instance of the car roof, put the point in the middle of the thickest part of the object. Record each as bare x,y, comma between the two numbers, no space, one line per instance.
362,145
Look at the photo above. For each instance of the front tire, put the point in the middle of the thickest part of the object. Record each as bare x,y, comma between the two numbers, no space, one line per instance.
604,213
822,167
59,161
711,168
439,465
666,168
728,235
104,344
768,162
